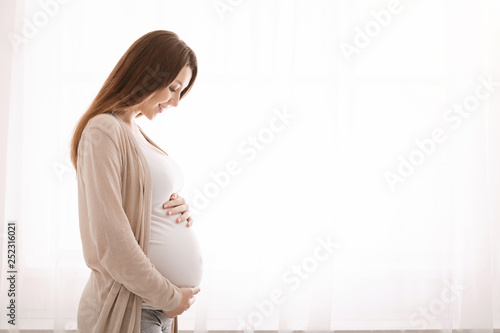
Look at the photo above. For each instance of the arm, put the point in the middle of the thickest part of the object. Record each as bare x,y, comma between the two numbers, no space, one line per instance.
99,174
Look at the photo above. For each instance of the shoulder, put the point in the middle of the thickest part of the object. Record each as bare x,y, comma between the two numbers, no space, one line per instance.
108,124
104,121
103,132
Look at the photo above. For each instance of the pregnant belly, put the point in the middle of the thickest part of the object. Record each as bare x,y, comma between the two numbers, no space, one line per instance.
175,251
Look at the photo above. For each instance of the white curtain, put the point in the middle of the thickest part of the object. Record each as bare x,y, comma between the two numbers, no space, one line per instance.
341,158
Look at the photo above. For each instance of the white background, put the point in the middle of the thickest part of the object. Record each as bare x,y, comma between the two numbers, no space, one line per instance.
354,119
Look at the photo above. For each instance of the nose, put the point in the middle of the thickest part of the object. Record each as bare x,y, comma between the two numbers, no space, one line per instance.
174,101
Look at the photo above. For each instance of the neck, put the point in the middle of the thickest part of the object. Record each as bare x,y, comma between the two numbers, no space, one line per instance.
128,118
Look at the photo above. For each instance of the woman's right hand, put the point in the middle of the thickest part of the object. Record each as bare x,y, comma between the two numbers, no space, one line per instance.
186,301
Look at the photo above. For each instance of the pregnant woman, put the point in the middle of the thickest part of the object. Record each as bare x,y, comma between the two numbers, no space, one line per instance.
145,262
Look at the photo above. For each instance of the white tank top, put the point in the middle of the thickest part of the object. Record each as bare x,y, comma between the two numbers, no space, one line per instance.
173,248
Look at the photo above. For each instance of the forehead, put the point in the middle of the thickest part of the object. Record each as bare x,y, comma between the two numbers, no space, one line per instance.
184,76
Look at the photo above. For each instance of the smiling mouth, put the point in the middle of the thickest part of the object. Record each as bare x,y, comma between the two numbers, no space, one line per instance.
161,107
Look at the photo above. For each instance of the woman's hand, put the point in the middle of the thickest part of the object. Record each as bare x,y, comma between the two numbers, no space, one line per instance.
176,205
187,300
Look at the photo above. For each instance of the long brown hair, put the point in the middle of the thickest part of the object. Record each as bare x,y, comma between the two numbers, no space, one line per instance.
150,64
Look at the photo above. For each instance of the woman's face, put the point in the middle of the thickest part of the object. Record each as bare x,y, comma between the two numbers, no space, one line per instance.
167,97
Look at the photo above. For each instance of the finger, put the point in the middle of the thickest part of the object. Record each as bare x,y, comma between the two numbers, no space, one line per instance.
169,204
179,209
184,216
195,290
175,196
174,202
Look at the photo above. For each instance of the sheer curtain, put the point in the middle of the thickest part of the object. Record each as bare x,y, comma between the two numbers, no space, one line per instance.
341,158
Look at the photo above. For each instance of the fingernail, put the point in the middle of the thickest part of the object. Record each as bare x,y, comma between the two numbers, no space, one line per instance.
178,220
169,212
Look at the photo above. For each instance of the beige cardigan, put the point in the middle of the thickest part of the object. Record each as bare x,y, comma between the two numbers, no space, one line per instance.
114,205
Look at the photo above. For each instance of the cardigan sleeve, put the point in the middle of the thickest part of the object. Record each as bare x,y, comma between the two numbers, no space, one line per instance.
109,232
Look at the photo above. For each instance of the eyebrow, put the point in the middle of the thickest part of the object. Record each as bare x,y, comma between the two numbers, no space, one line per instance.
179,82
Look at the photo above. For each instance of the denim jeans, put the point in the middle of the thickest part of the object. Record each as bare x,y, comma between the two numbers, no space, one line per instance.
155,321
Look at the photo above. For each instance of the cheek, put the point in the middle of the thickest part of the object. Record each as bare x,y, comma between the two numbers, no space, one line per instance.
164,96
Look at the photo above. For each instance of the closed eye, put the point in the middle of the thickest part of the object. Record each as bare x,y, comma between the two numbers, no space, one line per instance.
173,90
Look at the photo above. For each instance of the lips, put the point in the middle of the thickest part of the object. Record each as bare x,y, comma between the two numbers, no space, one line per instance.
161,107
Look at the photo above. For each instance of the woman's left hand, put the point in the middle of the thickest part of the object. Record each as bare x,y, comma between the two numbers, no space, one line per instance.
176,205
